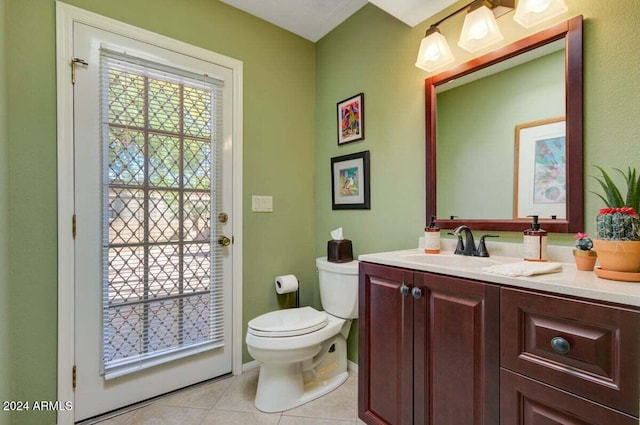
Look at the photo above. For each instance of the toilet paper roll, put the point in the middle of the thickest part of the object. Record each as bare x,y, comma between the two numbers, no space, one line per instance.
287,283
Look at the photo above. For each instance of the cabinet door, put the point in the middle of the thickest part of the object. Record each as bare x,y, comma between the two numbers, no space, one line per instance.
525,401
456,352
385,346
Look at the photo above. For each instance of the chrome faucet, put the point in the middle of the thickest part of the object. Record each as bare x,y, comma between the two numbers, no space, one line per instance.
468,247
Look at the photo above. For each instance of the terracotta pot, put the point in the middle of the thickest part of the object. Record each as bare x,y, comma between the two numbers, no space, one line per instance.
620,256
585,260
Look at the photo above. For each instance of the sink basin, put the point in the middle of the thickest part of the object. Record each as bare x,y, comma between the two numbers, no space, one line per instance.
444,263
456,261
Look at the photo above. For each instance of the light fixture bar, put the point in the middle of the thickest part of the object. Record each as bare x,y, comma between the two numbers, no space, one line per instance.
501,7
452,14
434,51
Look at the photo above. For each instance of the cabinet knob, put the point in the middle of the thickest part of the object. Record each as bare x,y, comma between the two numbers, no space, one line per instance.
417,293
560,345
404,290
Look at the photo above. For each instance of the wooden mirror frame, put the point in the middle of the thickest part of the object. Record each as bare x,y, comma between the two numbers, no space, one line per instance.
571,31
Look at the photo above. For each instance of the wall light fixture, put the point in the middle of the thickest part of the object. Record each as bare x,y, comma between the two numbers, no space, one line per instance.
532,12
480,28
434,52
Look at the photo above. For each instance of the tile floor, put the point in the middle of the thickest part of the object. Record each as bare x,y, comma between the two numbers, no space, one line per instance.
229,401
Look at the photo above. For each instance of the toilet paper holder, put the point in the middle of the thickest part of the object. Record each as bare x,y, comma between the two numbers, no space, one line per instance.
280,282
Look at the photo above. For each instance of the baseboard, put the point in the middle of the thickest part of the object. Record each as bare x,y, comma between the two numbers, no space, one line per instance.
250,366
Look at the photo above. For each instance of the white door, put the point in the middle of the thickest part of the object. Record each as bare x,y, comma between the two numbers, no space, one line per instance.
152,149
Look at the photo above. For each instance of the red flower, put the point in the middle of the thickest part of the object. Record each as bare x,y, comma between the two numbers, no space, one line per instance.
623,210
580,235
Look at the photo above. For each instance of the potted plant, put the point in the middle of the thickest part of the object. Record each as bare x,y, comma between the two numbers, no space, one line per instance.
618,225
584,256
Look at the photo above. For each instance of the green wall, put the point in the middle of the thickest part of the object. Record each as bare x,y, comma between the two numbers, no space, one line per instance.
279,95
374,53
4,221
365,54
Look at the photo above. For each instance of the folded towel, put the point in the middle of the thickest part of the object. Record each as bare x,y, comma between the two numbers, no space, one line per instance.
524,268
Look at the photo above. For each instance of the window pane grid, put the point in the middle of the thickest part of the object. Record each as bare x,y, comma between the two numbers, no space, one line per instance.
159,294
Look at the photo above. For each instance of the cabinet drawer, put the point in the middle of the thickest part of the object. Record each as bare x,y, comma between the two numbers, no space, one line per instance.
524,401
597,353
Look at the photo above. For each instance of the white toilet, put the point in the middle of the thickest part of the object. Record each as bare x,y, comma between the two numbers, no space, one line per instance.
302,351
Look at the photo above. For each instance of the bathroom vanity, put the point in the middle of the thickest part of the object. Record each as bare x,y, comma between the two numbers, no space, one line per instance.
443,342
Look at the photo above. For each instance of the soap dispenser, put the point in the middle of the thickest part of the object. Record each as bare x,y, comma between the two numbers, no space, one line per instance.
535,242
432,237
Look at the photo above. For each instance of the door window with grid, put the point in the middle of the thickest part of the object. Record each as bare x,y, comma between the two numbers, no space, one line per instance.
162,292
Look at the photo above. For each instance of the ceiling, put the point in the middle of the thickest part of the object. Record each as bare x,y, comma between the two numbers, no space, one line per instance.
313,19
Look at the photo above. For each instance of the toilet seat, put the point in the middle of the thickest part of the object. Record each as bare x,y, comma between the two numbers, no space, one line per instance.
289,322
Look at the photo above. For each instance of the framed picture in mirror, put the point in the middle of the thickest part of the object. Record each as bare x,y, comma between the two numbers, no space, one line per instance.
540,180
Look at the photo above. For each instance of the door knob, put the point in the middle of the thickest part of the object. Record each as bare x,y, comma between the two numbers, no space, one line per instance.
223,240
417,293
404,290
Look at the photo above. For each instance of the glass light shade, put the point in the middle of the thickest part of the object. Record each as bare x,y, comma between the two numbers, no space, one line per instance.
434,52
479,30
532,12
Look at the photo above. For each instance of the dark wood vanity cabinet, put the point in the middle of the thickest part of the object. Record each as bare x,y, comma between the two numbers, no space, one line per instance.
568,361
441,350
428,348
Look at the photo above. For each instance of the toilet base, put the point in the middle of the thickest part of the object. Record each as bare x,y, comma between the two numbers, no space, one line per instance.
273,399
283,386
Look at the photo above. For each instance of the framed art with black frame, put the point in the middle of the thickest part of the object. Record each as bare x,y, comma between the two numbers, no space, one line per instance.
350,182
351,119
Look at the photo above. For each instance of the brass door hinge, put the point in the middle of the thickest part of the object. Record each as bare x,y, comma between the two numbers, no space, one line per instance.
74,63
73,226
73,378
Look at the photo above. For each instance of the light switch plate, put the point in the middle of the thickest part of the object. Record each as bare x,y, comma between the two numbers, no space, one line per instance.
261,203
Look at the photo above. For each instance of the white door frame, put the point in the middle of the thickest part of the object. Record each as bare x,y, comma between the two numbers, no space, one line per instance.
66,15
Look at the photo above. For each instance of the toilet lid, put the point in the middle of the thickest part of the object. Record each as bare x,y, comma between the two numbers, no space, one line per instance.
289,322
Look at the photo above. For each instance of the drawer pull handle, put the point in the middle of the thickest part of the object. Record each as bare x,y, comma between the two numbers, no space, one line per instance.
560,345
404,290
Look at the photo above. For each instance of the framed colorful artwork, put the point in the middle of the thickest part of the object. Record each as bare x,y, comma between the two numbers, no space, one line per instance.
351,119
350,182
540,180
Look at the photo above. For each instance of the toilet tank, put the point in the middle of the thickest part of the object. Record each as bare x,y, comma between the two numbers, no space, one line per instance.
338,287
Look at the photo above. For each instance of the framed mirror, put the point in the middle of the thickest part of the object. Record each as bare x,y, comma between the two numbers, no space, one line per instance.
505,155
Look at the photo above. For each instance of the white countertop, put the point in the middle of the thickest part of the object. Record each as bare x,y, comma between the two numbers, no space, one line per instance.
568,282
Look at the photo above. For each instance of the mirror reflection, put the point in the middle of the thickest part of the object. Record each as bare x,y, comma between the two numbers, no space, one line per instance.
477,117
